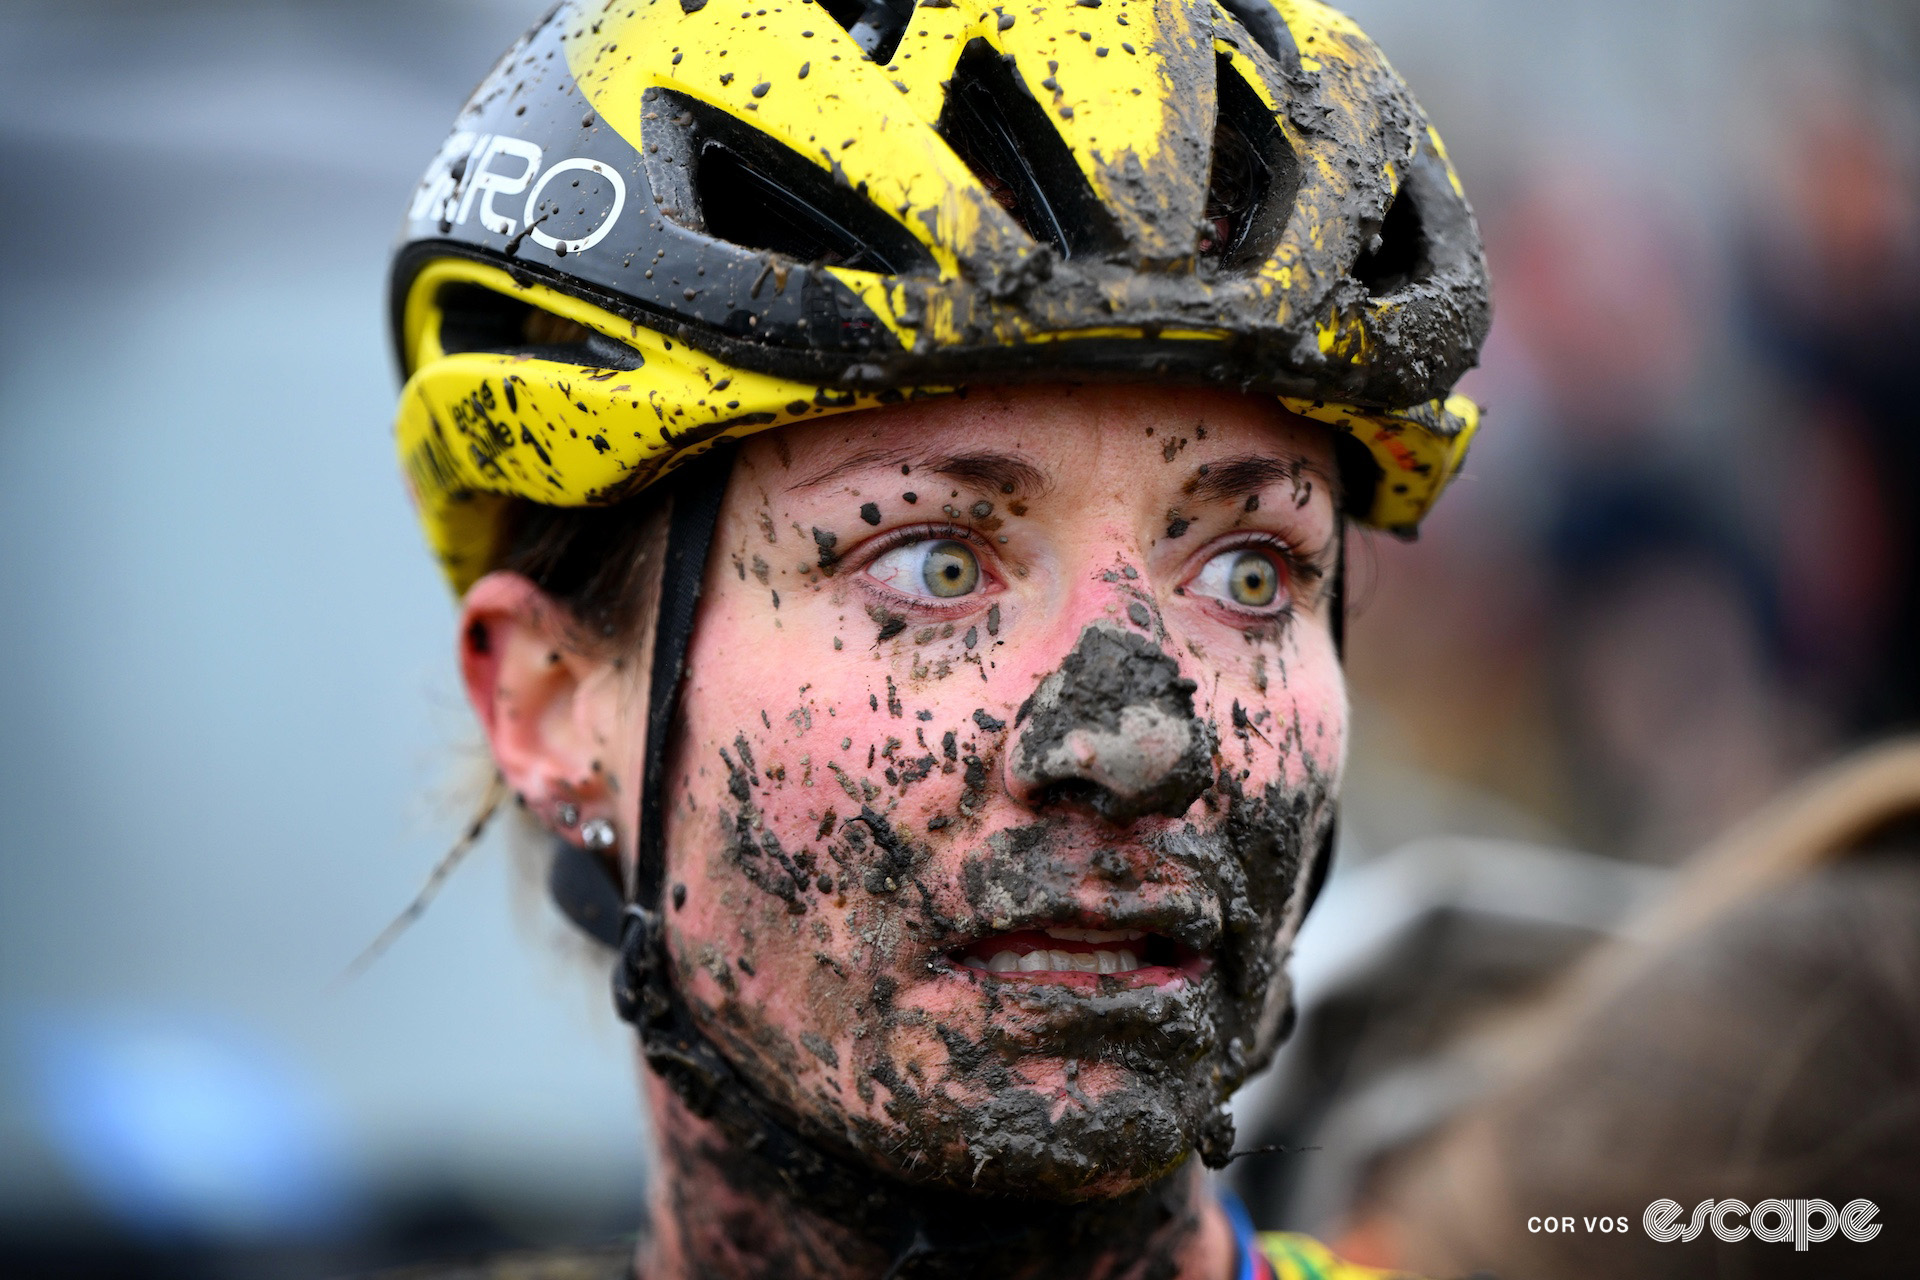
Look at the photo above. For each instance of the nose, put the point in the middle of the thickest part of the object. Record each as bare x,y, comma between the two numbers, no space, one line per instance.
1112,728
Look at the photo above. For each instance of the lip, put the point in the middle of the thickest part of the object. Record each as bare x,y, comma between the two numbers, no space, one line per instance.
1197,931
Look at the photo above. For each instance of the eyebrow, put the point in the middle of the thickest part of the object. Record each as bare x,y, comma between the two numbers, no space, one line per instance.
1249,474
1002,472
859,462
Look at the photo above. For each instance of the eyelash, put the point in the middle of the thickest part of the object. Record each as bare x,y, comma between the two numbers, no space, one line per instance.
929,533
1302,572
1302,569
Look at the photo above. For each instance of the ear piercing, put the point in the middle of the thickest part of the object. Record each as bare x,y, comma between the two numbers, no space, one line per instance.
596,834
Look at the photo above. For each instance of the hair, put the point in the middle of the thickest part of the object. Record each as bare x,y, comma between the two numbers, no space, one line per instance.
598,563
1773,1053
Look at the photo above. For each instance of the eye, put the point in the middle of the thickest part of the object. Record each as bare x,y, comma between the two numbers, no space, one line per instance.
937,567
1246,576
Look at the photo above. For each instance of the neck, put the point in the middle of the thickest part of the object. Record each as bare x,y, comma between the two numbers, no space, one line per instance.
718,1212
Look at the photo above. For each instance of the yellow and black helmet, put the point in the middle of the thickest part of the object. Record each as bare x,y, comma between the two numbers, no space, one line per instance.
662,223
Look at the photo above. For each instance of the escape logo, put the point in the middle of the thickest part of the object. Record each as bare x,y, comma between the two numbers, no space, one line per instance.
1774,1221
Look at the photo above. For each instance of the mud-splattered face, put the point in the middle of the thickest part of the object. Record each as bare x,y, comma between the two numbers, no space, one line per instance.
1012,723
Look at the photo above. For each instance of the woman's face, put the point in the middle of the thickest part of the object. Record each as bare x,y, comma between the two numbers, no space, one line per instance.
1011,726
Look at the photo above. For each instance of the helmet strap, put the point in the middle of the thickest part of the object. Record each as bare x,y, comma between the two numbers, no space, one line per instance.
699,488
642,988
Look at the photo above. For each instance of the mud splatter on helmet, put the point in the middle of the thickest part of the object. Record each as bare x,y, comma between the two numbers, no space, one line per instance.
663,223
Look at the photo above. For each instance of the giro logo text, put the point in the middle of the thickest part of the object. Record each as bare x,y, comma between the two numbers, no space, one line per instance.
473,169
1804,1222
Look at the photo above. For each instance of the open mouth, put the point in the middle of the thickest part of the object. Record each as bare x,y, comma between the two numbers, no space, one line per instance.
1080,957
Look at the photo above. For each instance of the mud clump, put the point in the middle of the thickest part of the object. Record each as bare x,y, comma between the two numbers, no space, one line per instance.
891,624
1114,728
829,559
895,857
751,846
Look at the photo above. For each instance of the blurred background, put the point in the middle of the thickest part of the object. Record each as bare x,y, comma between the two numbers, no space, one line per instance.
1679,571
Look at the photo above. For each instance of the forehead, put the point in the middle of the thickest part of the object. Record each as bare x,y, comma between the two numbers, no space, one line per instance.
1034,439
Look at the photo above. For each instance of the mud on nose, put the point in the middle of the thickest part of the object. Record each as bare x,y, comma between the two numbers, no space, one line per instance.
1113,728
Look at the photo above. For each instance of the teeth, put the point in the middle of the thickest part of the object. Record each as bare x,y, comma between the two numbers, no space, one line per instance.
1116,961
1094,935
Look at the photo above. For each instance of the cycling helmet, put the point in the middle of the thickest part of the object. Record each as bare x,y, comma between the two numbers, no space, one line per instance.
659,224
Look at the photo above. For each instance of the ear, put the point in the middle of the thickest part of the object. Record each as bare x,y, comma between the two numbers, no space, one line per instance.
552,713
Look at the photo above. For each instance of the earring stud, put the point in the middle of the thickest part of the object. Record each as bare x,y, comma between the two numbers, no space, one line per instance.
569,814
597,835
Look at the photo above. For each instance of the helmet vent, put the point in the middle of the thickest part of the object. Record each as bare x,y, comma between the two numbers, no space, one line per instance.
723,178
475,318
1254,180
875,25
1397,256
1002,133
1264,23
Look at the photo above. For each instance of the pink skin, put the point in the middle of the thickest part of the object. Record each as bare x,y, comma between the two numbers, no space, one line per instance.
787,658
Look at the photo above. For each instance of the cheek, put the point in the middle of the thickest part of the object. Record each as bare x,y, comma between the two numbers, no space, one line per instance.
795,907
779,760
1281,707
